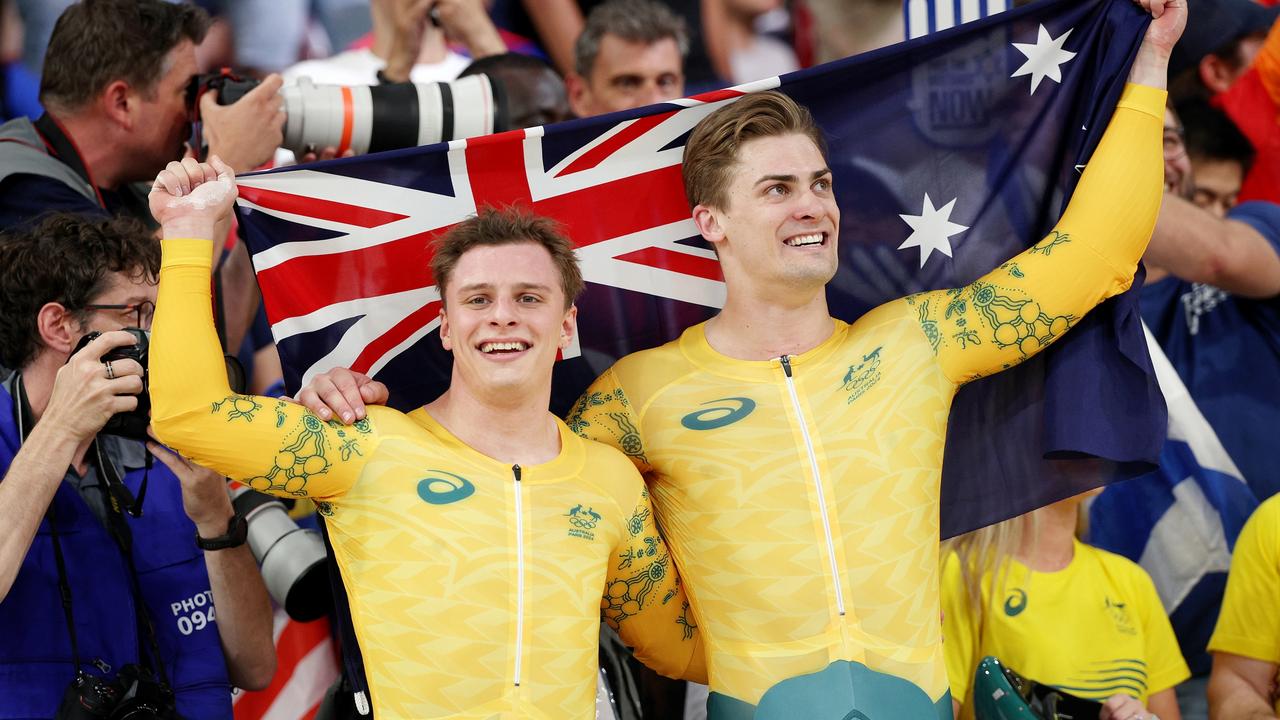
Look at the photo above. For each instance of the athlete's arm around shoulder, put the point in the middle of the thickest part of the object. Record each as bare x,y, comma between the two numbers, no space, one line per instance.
644,600
1092,253
269,444
604,413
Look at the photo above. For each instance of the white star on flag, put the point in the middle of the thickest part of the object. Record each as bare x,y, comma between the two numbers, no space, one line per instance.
931,229
1044,58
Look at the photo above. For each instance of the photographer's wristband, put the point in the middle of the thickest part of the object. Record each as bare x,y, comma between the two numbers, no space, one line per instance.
237,533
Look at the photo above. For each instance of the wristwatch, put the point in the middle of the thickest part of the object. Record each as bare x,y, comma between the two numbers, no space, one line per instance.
237,533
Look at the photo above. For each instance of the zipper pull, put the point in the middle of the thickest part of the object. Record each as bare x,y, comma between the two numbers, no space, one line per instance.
515,470
786,364
362,703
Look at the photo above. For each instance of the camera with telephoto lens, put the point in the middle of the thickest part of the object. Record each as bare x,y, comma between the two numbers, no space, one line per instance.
367,119
134,694
292,557
132,424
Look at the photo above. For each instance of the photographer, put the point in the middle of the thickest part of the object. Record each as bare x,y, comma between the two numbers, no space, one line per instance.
136,591
115,88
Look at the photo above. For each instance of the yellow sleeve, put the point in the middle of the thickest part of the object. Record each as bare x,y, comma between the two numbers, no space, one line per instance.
604,414
645,602
269,444
1165,664
1249,624
959,631
1028,302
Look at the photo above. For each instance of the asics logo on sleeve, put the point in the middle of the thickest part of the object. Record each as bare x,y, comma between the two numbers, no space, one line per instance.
445,490
720,415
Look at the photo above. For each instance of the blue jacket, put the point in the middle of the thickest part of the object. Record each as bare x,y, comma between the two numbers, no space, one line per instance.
35,648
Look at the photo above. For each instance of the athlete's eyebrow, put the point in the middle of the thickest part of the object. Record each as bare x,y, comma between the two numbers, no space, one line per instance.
792,178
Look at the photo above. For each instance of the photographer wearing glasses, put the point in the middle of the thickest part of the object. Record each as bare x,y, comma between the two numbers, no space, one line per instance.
124,587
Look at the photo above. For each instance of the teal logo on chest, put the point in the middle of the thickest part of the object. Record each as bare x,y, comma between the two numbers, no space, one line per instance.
582,522
1016,602
862,377
725,411
443,488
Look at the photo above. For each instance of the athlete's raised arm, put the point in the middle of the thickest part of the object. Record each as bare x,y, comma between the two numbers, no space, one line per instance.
271,445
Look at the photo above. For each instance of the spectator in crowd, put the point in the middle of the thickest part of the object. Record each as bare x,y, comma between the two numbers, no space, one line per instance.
496,461
410,44
1209,300
630,54
748,54
1059,612
203,621
1246,641
535,93
1230,57
1218,47
115,88
843,28
556,25
1220,156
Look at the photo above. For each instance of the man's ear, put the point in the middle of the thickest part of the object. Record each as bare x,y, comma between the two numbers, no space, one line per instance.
579,95
710,223
568,327
116,103
445,341
1216,73
58,328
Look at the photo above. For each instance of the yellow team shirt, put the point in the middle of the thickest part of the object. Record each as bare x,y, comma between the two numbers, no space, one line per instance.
1249,624
476,587
1093,629
800,495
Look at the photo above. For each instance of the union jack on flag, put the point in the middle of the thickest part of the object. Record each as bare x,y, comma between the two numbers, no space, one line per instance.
986,124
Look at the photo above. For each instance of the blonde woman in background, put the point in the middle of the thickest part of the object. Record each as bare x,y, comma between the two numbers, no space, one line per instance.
1059,612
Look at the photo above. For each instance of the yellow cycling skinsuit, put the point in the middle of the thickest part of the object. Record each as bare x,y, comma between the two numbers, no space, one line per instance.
799,495
1094,629
475,586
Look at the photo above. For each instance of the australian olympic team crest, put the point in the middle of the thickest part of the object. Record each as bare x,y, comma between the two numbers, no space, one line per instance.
955,97
582,522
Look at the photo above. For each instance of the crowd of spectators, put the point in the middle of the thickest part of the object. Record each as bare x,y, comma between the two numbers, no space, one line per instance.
97,99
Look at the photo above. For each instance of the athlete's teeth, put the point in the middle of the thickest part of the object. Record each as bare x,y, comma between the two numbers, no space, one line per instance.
495,347
805,240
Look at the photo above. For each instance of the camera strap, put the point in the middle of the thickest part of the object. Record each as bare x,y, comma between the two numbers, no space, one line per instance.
62,147
121,533
24,418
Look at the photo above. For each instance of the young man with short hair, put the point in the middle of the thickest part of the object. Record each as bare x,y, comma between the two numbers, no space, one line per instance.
475,534
795,460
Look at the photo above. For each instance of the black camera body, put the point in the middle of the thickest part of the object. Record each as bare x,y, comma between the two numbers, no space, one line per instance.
134,694
132,424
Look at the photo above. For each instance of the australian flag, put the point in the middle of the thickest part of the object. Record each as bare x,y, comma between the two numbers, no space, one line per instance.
976,134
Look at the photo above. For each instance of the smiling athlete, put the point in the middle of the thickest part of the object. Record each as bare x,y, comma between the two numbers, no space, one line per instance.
475,534
795,460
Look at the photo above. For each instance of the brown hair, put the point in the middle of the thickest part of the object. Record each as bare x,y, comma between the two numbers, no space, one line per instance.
507,226
713,147
64,258
96,42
